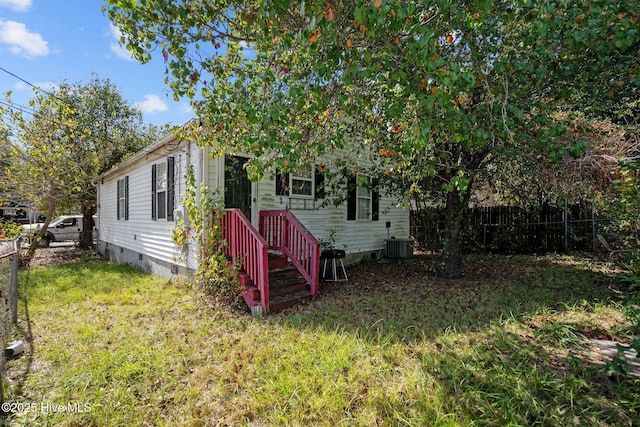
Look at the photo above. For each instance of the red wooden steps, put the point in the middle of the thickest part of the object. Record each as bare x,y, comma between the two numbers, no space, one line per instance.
277,260
289,300
287,287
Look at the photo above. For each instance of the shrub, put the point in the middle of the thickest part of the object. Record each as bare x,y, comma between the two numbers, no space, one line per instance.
9,230
203,230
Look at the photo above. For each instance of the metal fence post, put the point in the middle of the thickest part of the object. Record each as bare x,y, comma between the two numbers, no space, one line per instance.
484,238
565,228
13,285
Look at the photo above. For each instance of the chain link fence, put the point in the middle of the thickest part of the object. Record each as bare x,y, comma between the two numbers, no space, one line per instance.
9,264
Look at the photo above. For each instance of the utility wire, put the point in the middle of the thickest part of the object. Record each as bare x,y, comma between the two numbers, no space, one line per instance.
24,81
39,114
52,120
170,147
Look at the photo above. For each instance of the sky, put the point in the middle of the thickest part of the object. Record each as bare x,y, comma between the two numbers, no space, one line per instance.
46,42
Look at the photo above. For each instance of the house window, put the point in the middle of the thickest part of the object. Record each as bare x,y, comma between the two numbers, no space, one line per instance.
363,199
162,190
303,186
363,194
123,198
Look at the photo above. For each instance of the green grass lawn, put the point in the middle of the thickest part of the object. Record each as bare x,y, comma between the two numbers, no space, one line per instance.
503,345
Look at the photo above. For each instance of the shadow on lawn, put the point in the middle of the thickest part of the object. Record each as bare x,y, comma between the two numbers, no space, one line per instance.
513,380
537,375
21,366
73,265
403,302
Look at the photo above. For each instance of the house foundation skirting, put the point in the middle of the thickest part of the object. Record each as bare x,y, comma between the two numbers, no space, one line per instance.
144,262
162,268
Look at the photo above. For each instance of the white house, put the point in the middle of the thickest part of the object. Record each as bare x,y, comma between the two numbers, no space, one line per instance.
140,200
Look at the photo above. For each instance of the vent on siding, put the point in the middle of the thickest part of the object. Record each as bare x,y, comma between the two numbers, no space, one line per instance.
398,248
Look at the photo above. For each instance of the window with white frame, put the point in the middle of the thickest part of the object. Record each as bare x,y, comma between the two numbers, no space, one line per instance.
363,194
306,182
363,198
162,190
123,198
301,184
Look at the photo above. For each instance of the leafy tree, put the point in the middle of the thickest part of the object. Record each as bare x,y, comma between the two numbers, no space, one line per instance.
533,181
109,130
42,171
429,93
5,161
69,138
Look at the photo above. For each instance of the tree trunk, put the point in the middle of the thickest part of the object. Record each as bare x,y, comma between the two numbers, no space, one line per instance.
455,212
86,236
35,241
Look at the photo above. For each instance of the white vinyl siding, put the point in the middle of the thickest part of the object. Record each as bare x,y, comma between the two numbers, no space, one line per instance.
323,222
141,234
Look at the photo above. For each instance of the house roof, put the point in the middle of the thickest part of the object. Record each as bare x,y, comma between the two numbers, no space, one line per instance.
154,146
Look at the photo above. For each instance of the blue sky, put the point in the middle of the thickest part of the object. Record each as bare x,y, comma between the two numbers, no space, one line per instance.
46,42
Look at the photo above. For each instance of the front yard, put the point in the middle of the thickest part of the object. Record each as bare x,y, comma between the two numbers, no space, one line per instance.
505,344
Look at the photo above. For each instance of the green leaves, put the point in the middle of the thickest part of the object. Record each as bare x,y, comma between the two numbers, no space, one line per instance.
359,14
74,135
469,81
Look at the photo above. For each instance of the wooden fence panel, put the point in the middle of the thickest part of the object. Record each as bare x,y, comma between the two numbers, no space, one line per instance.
512,229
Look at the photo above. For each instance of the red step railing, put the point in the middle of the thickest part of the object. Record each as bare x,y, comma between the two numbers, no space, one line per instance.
246,245
283,231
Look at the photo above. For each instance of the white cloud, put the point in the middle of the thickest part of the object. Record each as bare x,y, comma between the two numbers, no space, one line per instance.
120,51
48,86
185,108
151,104
17,5
21,41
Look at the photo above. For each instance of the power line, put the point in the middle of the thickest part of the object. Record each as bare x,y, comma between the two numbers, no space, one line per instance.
169,147
53,120
20,107
25,81
35,113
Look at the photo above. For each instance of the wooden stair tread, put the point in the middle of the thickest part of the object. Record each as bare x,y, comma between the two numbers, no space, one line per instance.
272,253
287,286
287,282
282,269
289,300
288,290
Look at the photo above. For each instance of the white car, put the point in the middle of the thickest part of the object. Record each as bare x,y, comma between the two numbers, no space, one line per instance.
62,229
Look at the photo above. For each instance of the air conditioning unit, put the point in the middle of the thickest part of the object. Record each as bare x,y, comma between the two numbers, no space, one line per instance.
398,248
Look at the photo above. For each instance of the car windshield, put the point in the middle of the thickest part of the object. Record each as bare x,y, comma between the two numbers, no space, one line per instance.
57,221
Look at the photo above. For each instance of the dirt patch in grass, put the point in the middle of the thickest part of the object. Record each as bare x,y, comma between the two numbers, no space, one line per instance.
489,285
58,256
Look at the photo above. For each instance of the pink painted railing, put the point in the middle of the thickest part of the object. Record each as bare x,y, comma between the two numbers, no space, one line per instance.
284,232
246,245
